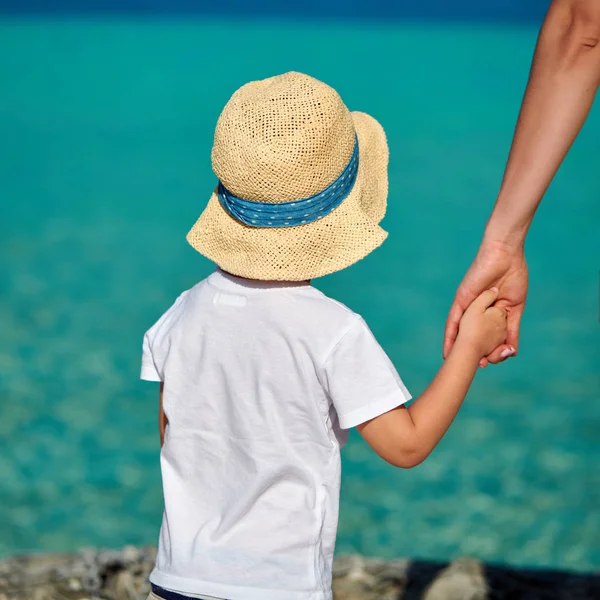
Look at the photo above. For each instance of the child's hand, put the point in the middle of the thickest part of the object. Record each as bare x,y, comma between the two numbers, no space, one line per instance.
483,326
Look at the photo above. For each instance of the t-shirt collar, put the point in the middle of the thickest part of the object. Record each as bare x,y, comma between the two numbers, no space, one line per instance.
228,282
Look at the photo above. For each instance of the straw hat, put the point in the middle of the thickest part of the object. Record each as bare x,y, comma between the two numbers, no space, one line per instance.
302,183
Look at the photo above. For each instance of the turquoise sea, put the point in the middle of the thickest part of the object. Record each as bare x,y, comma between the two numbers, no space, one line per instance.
105,136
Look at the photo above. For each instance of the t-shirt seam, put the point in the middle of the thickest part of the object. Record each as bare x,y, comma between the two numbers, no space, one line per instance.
355,321
322,372
335,302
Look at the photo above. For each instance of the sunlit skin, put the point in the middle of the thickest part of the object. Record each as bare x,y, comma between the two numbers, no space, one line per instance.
563,82
405,437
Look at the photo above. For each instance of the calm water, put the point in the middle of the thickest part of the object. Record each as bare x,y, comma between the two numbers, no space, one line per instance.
104,164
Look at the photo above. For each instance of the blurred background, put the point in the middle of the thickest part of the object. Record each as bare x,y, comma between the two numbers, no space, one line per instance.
107,110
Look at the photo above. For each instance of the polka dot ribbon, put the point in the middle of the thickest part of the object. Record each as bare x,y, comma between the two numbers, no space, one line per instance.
297,212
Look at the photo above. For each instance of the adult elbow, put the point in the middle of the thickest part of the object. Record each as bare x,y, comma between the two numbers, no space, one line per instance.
587,23
579,29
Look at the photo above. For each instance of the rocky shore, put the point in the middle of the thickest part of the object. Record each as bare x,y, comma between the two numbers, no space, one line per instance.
123,575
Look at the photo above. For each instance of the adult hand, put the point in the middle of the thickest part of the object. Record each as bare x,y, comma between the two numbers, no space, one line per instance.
496,265
564,79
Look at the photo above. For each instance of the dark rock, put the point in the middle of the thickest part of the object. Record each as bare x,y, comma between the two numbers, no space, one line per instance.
123,575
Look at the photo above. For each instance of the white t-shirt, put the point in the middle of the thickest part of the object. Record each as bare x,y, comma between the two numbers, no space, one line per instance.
261,382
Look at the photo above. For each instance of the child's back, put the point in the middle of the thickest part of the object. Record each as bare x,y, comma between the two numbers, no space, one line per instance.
263,376
257,378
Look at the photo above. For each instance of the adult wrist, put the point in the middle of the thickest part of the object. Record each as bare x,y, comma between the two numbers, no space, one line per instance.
506,227
503,239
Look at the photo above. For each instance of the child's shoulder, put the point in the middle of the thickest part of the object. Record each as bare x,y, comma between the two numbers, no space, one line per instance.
334,306
171,313
330,314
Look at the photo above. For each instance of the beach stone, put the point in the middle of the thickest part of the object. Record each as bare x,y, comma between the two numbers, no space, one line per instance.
356,577
463,579
100,574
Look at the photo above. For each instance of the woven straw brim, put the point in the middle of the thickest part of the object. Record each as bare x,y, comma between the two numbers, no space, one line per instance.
340,239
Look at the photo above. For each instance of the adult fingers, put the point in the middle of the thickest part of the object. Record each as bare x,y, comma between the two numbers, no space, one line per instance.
500,354
452,322
510,347
513,327
503,351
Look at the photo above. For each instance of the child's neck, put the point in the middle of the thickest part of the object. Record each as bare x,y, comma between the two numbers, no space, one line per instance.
268,281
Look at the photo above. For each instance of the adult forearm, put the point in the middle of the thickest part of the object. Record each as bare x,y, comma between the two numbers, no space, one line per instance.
435,409
563,81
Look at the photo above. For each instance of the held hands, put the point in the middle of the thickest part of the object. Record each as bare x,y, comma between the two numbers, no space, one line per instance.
483,327
496,265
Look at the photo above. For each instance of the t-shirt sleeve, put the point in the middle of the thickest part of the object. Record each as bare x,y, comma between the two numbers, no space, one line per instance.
149,370
360,378
153,348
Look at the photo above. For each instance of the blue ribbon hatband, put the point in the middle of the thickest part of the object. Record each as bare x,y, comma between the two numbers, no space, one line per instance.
296,212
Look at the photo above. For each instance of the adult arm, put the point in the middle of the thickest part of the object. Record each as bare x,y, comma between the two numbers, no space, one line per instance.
564,78
563,81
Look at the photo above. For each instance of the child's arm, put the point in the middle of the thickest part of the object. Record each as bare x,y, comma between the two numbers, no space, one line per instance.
162,419
404,436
